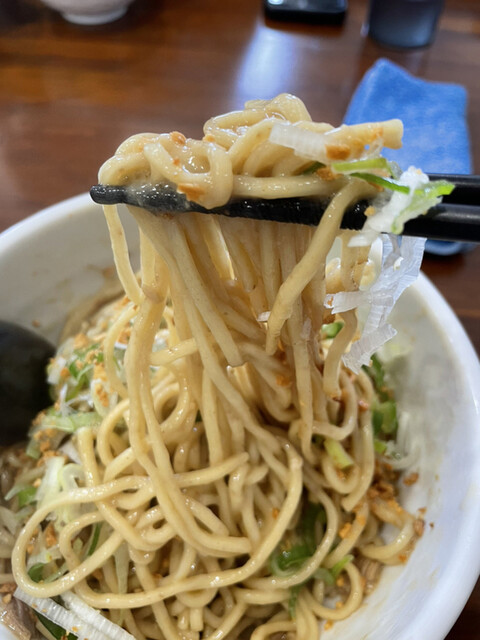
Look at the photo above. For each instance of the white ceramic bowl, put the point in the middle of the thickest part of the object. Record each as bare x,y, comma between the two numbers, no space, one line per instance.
56,258
90,11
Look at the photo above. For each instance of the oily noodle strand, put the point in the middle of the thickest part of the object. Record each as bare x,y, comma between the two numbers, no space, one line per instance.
201,469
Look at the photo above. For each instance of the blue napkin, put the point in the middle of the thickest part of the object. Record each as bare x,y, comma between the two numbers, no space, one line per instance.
436,137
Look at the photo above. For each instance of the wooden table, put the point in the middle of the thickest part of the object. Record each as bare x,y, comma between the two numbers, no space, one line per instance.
69,95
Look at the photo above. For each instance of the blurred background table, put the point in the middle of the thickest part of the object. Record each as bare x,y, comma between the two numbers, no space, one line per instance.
70,94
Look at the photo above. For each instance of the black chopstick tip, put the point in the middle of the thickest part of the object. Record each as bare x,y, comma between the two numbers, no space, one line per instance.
107,194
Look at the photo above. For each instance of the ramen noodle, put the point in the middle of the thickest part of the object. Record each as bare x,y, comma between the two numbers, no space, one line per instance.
220,458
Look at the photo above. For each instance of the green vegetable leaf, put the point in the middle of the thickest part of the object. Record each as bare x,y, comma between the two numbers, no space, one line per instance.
292,601
425,197
362,165
325,575
292,554
310,516
341,459
95,538
54,629
384,411
33,449
290,557
376,373
436,188
71,423
386,183
26,496
384,418
337,568
332,329
287,561
315,166
380,446
80,354
36,572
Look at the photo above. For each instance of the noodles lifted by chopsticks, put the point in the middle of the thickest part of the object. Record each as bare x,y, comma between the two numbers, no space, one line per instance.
230,480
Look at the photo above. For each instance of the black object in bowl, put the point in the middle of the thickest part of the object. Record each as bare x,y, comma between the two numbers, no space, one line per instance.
24,392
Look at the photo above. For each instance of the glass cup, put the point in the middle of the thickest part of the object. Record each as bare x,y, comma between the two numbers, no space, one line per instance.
403,23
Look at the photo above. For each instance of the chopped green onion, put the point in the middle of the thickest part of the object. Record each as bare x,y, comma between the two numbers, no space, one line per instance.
380,446
311,515
424,197
436,188
325,575
95,538
79,356
54,629
26,496
341,459
286,561
82,379
57,574
386,183
288,558
332,329
337,568
376,372
292,601
33,449
15,490
384,418
36,572
384,412
81,353
356,165
70,424
312,168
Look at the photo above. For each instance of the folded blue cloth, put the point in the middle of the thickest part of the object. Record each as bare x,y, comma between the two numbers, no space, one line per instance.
436,137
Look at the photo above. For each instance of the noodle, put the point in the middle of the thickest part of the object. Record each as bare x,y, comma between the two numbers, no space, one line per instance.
218,407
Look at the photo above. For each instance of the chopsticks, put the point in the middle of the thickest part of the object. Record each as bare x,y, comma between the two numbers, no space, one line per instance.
457,218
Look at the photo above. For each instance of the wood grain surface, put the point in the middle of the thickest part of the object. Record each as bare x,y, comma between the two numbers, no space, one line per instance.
70,94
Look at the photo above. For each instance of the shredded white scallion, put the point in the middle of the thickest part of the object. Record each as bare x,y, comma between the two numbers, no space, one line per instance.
70,450
8,520
68,620
94,618
401,264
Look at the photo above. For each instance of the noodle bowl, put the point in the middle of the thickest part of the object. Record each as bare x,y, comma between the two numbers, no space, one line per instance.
227,426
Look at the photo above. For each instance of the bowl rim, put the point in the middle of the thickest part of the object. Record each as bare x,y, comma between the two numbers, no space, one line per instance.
435,622
448,604
31,224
